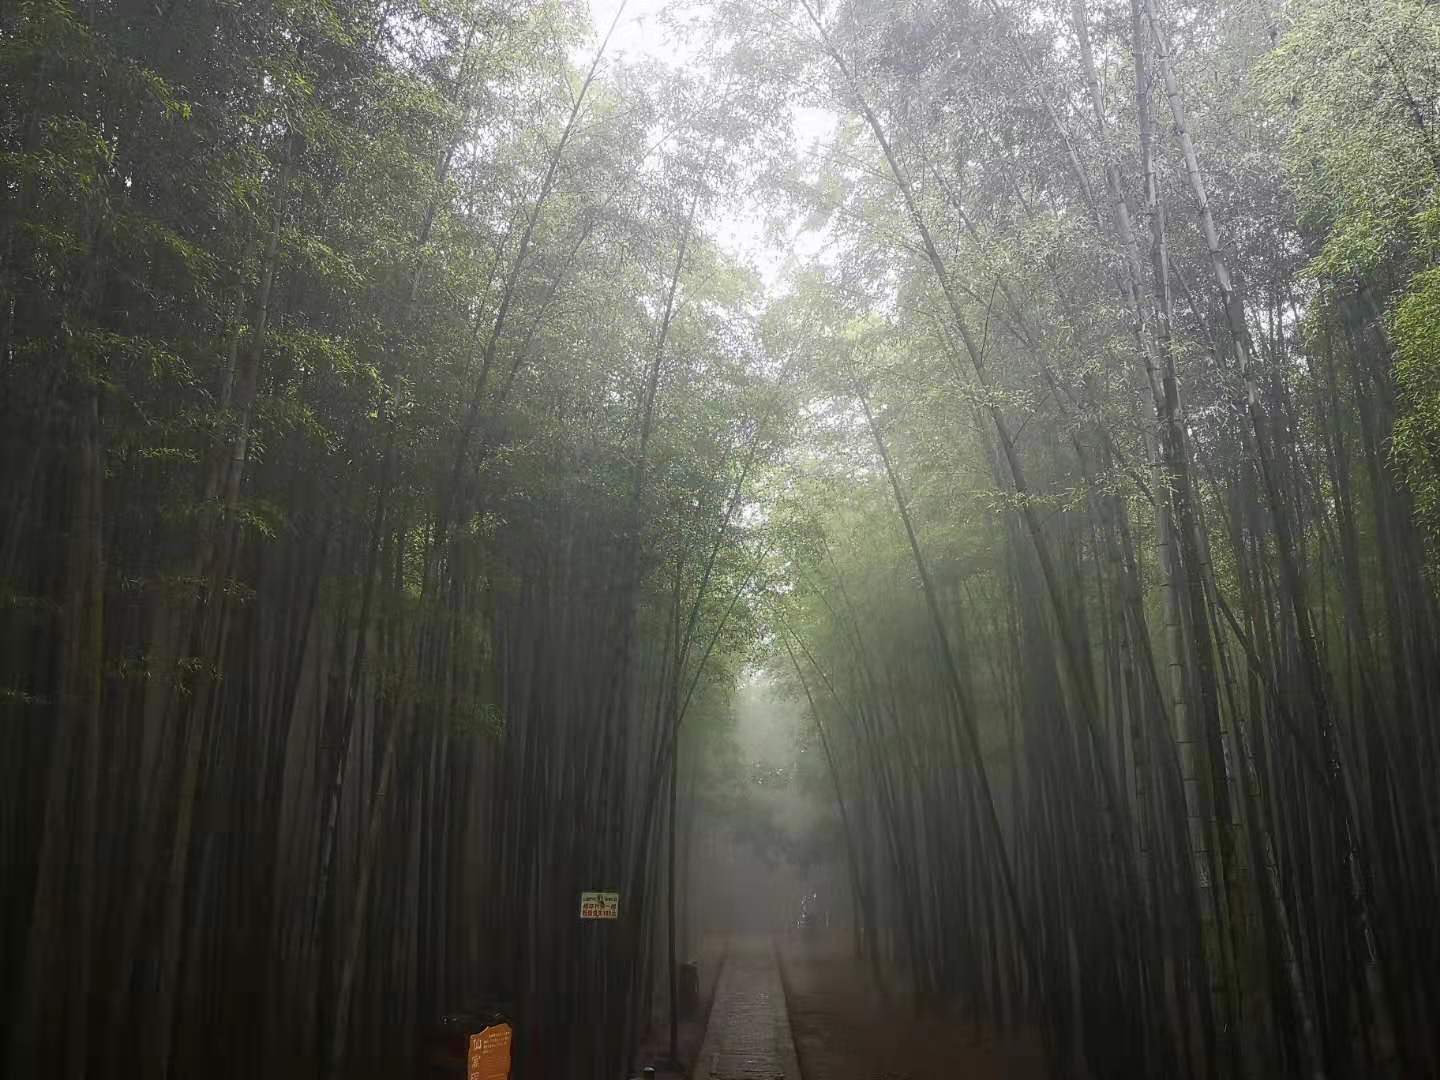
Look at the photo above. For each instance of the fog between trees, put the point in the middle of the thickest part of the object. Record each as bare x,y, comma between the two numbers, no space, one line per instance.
422,426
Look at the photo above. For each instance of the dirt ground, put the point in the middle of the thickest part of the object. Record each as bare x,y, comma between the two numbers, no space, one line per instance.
844,1030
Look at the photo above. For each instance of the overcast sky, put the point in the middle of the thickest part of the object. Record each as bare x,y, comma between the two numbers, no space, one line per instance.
641,33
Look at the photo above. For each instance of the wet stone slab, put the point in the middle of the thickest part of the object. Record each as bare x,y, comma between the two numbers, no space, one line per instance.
749,1036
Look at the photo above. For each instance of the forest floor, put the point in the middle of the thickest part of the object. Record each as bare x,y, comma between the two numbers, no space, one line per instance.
845,1030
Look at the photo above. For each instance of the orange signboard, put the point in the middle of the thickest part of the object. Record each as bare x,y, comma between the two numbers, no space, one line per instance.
489,1057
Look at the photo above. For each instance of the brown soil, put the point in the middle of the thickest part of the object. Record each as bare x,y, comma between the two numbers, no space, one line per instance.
844,1030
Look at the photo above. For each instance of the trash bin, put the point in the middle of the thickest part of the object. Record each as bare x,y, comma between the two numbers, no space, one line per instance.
689,990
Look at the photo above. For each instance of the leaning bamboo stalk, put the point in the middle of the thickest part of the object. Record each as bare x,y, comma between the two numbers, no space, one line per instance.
1196,737
512,279
972,736
207,633
335,1050
1340,784
1299,992
1082,678
857,882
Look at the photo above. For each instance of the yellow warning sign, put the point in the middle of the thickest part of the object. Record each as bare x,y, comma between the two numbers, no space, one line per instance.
599,905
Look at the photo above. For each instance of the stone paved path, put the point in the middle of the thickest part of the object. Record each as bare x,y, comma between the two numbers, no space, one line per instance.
749,1036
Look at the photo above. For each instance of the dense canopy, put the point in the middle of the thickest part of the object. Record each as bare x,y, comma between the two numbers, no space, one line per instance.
423,421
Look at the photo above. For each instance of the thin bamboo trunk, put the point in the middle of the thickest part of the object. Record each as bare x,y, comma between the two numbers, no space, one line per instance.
1340,783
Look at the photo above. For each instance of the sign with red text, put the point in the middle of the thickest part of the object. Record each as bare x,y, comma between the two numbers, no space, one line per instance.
599,905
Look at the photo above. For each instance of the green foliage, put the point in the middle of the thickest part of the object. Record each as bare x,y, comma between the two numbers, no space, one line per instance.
1415,326
1358,87
1357,84
327,336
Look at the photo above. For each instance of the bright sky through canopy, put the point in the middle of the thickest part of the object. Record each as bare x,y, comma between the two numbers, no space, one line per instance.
639,32
642,33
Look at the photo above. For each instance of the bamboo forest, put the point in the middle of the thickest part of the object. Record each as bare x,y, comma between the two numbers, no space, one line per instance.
843,539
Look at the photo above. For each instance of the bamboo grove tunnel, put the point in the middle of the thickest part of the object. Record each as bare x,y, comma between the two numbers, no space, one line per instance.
833,537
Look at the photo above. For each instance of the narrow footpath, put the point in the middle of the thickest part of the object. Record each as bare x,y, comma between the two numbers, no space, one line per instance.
749,1035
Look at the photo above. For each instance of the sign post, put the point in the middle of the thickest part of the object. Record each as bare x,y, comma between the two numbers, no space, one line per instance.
599,905
489,1057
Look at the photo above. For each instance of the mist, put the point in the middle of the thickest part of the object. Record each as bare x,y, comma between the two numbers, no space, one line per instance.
806,539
